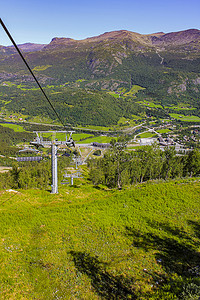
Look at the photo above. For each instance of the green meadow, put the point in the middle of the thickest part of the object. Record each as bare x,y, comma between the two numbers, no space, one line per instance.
147,135
181,106
163,130
92,242
134,89
185,118
15,127
96,128
42,68
150,104
77,137
98,139
81,138
114,94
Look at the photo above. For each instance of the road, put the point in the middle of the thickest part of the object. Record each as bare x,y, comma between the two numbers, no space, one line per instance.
148,130
130,129
162,59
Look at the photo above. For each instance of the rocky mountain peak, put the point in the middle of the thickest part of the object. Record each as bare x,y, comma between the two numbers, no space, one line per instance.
60,43
177,38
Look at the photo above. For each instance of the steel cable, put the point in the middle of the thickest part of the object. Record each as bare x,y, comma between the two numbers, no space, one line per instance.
21,55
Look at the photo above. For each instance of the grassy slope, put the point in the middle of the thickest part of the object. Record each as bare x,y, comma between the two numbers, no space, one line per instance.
16,128
88,243
185,118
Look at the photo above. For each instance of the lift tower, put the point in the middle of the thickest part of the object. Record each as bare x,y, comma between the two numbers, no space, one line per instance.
54,143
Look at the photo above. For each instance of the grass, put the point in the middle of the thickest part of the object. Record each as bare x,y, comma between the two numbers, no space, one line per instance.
134,89
137,117
163,130
181,106
80,80
62,136
96,128
185,118
80,136
147,135
98,139
96,243
15,127
136,147
41,68
25,89
124,121
114,94
41,119
150,104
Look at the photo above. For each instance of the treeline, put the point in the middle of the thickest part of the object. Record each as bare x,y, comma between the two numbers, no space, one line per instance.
120,167
9,137
32,174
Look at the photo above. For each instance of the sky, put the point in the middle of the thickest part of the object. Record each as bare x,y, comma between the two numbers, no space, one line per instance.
39,21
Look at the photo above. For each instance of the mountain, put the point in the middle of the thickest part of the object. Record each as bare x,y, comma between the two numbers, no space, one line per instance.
159,67
155,40
101,56
27,47
177,38
160,38
30,47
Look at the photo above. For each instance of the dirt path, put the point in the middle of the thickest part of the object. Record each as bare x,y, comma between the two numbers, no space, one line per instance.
5,169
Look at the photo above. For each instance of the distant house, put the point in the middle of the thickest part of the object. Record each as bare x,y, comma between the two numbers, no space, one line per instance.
169,141
101,145
165,142
161,140
147,141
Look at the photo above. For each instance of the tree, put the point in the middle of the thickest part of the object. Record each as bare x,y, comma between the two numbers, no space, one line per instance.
169,162
15,174
96,174
192,166
120,159
135,169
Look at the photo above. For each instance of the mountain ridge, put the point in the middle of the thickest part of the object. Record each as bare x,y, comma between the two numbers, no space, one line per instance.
178,37
160,67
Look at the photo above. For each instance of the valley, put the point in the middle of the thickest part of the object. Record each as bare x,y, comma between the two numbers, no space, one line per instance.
115,80
127,225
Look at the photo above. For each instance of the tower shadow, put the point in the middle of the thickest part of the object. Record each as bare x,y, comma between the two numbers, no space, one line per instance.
177,249
105,284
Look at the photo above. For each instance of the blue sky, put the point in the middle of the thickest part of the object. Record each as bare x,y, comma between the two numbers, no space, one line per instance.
39,21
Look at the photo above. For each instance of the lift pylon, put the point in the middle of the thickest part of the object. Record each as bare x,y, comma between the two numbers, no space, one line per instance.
54,143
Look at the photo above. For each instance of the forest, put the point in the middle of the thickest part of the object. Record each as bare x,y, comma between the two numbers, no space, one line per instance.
119,167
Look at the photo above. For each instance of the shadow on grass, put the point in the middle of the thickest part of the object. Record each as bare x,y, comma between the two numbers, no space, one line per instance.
177,249
105,284
196,228
102,188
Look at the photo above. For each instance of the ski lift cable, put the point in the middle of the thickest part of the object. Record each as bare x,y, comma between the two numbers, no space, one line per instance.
18,50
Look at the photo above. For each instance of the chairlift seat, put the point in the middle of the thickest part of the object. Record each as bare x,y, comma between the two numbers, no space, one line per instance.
29,158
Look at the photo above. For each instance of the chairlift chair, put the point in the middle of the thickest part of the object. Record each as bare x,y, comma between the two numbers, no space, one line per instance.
28,158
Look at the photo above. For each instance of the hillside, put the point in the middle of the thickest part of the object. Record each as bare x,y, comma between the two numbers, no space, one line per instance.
95,243
165,66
